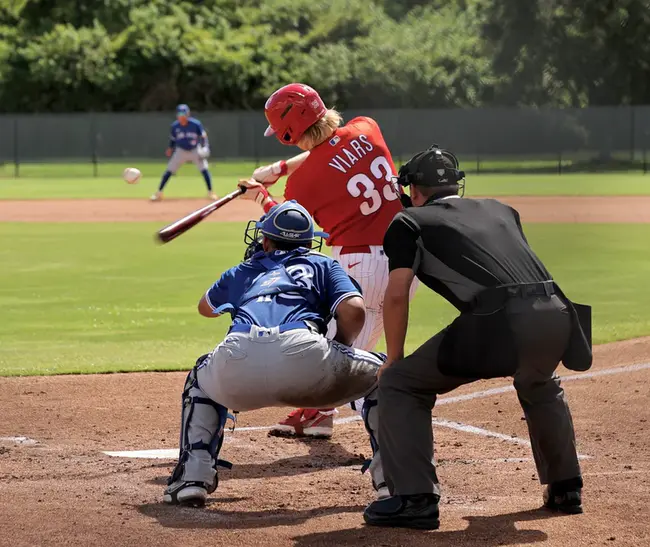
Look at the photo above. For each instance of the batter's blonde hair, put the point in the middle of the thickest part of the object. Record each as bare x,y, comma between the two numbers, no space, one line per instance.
321,130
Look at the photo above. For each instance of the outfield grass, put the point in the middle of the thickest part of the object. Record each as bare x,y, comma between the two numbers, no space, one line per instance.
103,297
77,181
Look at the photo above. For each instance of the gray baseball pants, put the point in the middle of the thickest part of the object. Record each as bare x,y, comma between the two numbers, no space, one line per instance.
266,368
181,157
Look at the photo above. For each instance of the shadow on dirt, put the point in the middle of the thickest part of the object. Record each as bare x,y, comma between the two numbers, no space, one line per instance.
487,531
322,455
183,518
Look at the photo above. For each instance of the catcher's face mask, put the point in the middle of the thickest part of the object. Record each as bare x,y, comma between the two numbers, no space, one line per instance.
253,238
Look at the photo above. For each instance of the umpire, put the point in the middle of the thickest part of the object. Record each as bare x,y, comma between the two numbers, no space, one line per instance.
514,321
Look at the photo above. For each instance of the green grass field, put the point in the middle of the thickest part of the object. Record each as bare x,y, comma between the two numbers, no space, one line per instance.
44,181
103,297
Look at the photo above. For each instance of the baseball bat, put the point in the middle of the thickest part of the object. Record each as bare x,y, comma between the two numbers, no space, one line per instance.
181,226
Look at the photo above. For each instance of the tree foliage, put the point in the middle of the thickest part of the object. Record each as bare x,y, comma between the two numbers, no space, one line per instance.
80,55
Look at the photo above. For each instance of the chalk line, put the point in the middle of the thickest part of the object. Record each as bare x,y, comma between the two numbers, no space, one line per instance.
570,378
173,453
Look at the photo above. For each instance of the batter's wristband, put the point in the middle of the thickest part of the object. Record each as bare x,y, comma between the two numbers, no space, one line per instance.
269,205
283,168
262,194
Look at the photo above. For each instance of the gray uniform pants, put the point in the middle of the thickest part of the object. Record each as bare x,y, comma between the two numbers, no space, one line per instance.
180,157
408,391
266,368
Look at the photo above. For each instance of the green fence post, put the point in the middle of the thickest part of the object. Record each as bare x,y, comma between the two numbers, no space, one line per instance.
16,158
93,140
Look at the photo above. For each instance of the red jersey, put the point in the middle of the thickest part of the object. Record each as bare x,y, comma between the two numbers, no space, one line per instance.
345,184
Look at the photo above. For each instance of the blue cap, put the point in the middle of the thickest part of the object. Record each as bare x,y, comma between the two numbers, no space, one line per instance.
289,221
182,110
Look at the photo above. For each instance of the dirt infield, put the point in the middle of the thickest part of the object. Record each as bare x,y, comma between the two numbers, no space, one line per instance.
57,487
532,209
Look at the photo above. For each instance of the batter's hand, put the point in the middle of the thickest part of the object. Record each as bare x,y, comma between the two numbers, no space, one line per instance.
255,190
169,152
269,174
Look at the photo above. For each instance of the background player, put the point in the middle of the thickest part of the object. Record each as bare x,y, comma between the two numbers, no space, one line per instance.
275,353
188,141
344,179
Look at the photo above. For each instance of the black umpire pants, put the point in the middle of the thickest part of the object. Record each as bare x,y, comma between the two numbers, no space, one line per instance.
408,391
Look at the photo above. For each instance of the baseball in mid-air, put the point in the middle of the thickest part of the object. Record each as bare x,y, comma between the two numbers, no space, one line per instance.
132,175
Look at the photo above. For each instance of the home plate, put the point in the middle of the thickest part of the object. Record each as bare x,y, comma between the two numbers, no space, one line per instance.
18,440
155,454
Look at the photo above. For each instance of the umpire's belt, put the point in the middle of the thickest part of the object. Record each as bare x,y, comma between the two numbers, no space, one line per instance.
295,325
493,298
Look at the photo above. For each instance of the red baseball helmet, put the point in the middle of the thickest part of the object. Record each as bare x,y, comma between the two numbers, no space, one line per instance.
291,110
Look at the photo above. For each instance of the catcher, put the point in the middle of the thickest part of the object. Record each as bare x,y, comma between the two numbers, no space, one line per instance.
276,352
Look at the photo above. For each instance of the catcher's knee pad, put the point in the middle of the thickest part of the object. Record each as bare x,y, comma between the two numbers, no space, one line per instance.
202,426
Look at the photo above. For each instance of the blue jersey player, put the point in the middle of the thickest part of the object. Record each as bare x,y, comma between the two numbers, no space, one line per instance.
275,352
188,141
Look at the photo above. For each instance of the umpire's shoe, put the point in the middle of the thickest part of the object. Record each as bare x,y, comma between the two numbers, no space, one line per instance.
186,493
417,511
564,496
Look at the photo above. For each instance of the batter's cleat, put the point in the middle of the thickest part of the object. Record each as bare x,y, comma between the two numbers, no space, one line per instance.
306,422
187,494
213,196
565,502
418,511
157,196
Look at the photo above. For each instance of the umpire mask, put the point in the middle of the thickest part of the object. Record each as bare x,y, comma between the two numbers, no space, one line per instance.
435,167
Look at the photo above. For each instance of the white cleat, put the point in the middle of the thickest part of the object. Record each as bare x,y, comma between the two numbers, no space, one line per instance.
157,196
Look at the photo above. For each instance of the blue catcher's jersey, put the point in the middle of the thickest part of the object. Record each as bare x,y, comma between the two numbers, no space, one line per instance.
269,290
188,136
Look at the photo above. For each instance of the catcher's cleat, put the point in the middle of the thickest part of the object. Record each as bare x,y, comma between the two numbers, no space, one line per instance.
188,494
305,422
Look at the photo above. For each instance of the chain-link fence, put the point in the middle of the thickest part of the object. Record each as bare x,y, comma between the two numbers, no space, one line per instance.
486,140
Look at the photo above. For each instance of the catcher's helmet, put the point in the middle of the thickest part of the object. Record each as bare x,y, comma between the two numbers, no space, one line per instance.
287,222
183,110
291,110
435,167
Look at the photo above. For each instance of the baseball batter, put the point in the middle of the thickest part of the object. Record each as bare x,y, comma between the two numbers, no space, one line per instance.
345,180
188,142
276,352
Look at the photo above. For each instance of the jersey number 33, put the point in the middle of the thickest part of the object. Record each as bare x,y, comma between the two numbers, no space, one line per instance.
364,185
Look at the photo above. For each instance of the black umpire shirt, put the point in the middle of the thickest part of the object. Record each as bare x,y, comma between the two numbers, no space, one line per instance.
457,247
